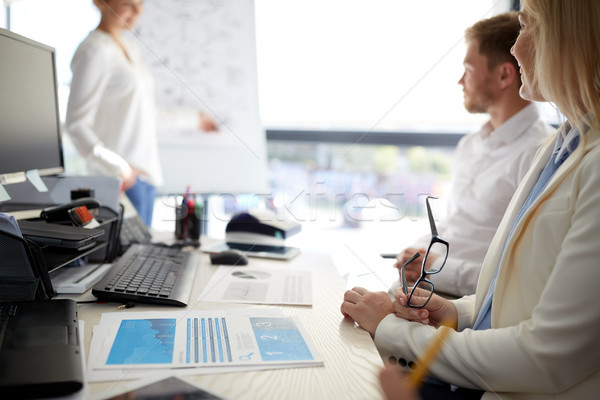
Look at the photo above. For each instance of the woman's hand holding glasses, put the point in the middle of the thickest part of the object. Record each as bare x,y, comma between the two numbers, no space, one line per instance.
416,300
435,311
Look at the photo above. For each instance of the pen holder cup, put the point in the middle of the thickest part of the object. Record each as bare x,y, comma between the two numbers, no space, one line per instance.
188,219
23,271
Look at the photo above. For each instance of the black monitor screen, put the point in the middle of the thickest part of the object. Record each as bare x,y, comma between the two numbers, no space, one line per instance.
29,119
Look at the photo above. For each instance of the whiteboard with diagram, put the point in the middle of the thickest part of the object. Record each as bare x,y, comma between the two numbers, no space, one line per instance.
202,54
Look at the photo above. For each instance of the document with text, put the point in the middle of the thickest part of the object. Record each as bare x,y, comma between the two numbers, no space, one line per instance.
259,286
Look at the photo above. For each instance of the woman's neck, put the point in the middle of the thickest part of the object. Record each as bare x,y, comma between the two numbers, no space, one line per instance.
111,29
115,33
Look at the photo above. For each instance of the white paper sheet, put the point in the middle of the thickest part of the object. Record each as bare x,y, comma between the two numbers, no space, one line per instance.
259,286
77,279
134,345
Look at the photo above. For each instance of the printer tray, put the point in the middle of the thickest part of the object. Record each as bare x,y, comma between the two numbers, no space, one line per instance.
56,235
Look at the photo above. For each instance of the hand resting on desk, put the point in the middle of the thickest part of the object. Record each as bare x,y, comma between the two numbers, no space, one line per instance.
368,309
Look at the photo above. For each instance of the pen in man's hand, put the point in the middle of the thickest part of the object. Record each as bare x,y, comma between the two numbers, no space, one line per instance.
388,255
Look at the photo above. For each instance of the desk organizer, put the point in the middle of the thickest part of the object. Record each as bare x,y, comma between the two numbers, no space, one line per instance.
110,221
23,271
24,265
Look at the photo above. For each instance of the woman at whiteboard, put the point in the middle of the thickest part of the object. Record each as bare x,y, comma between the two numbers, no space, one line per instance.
111,113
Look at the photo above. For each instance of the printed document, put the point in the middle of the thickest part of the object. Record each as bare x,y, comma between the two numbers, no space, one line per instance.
259,286
150,340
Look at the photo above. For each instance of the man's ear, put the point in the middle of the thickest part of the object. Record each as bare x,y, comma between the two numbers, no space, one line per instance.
507,73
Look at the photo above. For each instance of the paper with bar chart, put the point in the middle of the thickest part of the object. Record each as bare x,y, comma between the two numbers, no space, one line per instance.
205,339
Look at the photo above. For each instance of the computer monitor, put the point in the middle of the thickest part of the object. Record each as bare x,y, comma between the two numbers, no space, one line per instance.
29,117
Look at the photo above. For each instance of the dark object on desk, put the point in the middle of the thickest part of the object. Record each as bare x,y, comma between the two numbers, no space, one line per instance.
389,255
28,202
277,252
60,214
262,222
149,273
229,257
82,192
103,250
76,213
188,220
168,388
40,352
65,236
23,270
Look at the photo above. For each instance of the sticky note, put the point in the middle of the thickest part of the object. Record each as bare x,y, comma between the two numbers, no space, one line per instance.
3,194
34,177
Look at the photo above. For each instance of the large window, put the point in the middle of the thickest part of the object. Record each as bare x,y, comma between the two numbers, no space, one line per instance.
365,65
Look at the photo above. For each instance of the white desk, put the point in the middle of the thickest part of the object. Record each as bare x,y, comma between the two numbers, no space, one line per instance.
350,357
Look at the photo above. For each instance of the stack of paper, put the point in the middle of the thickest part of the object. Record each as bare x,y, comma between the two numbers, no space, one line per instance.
135,344
77,279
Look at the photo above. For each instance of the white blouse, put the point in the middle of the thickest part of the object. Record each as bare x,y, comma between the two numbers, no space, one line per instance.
111,113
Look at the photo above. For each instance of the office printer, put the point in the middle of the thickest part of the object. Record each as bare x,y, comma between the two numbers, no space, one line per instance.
260,226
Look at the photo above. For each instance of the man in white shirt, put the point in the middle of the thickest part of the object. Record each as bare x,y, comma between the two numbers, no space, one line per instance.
490,163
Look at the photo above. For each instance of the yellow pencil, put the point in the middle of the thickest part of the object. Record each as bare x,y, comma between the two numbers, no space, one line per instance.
417,375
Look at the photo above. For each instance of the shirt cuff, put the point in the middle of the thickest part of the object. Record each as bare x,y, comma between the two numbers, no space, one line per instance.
109,162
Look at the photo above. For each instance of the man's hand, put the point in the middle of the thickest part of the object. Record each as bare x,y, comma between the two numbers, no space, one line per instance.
412,272
395,384
207,124
413,269
367,308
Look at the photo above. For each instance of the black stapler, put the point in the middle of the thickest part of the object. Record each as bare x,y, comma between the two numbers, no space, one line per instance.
70,213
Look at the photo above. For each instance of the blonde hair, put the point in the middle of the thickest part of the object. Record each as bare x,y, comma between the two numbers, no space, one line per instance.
566,37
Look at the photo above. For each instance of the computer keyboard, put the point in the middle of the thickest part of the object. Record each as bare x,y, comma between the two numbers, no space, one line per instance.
148,273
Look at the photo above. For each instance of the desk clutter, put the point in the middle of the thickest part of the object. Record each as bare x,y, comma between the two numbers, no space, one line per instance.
269,323
79,244
239,319
70,235
40,343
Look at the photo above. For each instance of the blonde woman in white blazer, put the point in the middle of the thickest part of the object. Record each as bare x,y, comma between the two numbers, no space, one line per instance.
540,339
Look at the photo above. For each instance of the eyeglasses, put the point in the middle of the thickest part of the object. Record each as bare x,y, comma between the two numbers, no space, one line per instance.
418,298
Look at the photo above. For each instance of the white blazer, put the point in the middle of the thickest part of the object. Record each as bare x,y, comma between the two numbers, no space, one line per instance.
545,336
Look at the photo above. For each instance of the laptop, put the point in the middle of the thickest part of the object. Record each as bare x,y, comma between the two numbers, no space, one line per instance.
56,235
39,349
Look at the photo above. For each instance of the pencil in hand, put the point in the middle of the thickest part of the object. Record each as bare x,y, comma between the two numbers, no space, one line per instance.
432,350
